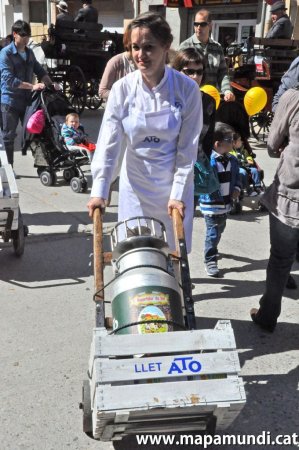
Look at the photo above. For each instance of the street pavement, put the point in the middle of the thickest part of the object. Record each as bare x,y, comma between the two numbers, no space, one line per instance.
47,317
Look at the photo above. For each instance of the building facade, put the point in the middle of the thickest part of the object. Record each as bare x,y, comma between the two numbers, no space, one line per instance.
40,13
238,19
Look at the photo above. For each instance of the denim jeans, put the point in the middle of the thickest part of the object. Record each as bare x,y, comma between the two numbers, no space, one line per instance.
284,241
256,177
244,178
10,120
215,226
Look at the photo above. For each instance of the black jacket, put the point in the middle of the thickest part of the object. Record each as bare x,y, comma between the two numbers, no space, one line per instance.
61,18
206,141
281,29
87,14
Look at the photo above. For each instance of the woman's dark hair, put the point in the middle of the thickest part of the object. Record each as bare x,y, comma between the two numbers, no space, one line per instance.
156,24
187,56
222,131
20,26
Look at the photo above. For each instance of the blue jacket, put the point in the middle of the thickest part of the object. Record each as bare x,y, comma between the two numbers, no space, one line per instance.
235,182
14,70
72,136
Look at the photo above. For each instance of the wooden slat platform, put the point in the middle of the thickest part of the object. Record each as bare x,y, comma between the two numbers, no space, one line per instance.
168,382
170,395
157,343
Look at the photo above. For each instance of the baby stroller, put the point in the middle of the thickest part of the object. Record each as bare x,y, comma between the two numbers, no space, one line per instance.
48,148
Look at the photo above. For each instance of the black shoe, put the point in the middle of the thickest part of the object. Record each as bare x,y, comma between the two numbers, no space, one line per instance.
253,315
291,283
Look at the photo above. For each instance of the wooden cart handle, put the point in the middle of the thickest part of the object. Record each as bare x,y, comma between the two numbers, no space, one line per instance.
178,229
181,249
98,257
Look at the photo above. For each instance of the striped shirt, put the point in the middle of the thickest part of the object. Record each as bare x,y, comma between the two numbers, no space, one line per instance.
219,204
216,72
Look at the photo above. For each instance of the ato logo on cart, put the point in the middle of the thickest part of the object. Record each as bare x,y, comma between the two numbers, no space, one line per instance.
178,366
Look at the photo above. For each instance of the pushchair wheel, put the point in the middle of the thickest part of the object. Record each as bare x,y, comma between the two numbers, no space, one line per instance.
48,178
78,185
70,173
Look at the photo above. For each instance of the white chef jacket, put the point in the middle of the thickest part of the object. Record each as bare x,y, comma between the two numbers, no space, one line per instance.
142,189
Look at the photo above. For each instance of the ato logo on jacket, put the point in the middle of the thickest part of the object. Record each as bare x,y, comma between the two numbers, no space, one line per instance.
151,139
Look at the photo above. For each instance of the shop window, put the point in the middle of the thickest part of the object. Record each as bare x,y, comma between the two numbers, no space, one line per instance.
38,12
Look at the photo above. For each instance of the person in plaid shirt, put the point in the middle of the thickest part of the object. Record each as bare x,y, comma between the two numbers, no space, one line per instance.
215,65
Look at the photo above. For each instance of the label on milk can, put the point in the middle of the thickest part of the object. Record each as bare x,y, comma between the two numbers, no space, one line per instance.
151,307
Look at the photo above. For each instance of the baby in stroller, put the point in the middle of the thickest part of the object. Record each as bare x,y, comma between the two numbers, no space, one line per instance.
250,173
74,135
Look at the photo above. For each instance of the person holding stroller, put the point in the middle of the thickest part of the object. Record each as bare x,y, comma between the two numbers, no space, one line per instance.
153,109
18,65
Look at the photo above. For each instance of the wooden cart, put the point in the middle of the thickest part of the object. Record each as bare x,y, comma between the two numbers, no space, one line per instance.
173,382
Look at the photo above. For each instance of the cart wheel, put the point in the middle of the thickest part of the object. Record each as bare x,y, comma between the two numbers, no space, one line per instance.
86,407
76,184
48,178
75,88
26,230
18,237
93,100
260,124
70,173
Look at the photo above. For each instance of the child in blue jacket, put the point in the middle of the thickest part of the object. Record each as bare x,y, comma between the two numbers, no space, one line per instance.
74,135
216,206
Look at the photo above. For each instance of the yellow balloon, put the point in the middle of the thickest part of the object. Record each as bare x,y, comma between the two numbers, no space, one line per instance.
255,100
213,92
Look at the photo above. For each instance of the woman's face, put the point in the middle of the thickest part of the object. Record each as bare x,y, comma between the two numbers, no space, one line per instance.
194,71
148,53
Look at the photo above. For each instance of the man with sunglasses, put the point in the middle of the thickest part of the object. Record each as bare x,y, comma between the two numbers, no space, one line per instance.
18,65
216,69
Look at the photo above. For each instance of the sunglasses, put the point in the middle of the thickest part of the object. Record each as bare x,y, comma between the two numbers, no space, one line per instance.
191,72
23,34
201,24
229,140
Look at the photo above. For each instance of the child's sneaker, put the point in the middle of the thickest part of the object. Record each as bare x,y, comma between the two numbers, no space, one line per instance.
212,269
